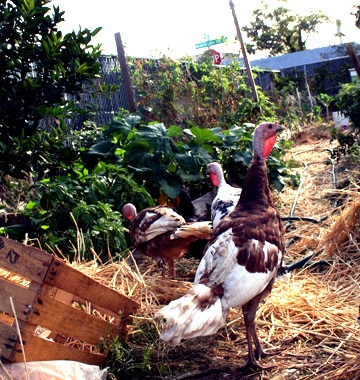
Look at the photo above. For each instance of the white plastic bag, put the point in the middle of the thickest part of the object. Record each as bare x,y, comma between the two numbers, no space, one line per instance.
55,370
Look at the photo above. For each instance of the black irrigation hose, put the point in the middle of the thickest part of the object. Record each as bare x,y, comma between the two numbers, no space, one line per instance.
298,264
291,241
305,263
304,219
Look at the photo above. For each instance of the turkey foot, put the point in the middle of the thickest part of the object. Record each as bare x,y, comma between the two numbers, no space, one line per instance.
261,354
253,364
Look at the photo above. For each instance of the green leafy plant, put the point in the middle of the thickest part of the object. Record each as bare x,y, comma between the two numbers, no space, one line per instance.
38,65
125,362
325,100
348,102
189,93
163,160
82,209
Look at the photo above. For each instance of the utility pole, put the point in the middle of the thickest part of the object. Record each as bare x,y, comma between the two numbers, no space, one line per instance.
244,53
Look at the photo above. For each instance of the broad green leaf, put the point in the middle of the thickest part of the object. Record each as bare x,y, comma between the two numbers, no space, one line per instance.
203,136
102,148
172,190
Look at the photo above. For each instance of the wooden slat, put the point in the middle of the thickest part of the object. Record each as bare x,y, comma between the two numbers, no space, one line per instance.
69,279
98,308
69,321
8,339
38,349
7,319
22,297
26,261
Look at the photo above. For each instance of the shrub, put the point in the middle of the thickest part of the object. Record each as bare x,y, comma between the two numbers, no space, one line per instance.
348,102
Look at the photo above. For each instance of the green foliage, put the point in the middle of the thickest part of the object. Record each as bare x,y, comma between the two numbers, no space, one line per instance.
279,32
125,363
189,93
84,209
325,79
287,99
163,160
346,142
325,100
89,175
38,65
80,207
348,101
299,100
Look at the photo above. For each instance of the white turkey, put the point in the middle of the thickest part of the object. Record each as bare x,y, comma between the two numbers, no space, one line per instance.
240,263
159,232
227,196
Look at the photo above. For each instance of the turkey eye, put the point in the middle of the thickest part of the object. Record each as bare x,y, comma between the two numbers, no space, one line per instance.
270,126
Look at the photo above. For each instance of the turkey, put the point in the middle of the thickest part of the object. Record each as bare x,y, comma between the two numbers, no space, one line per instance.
194,210
159,232
227,196
240,262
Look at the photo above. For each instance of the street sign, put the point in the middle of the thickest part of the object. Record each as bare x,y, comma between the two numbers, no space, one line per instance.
211,42
216,56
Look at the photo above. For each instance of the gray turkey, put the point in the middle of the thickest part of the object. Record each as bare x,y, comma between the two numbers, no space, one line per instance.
240,262
159,232
227,196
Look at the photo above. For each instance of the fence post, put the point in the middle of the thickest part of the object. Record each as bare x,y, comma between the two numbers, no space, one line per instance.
125,74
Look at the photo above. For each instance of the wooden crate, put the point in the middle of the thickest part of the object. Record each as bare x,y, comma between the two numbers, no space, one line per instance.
43,288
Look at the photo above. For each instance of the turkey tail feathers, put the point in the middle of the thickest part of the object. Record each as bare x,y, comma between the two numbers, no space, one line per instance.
184,318
198,230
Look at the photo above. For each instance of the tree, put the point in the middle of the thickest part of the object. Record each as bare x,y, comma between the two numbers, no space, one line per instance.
357,15
38,65
279,31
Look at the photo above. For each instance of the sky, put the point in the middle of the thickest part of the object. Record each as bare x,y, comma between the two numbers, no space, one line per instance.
153,28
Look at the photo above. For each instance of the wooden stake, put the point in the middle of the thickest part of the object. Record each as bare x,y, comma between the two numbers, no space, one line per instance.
125,74
244,53
20,337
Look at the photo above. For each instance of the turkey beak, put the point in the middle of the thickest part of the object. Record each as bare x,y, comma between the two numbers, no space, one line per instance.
279,128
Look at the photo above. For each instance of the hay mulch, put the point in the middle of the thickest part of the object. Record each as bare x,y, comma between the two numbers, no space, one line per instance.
308,321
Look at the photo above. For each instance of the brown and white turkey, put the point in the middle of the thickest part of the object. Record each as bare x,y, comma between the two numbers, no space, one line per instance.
240,263
159,232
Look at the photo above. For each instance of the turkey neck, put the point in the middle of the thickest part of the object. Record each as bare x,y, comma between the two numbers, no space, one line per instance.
256,191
